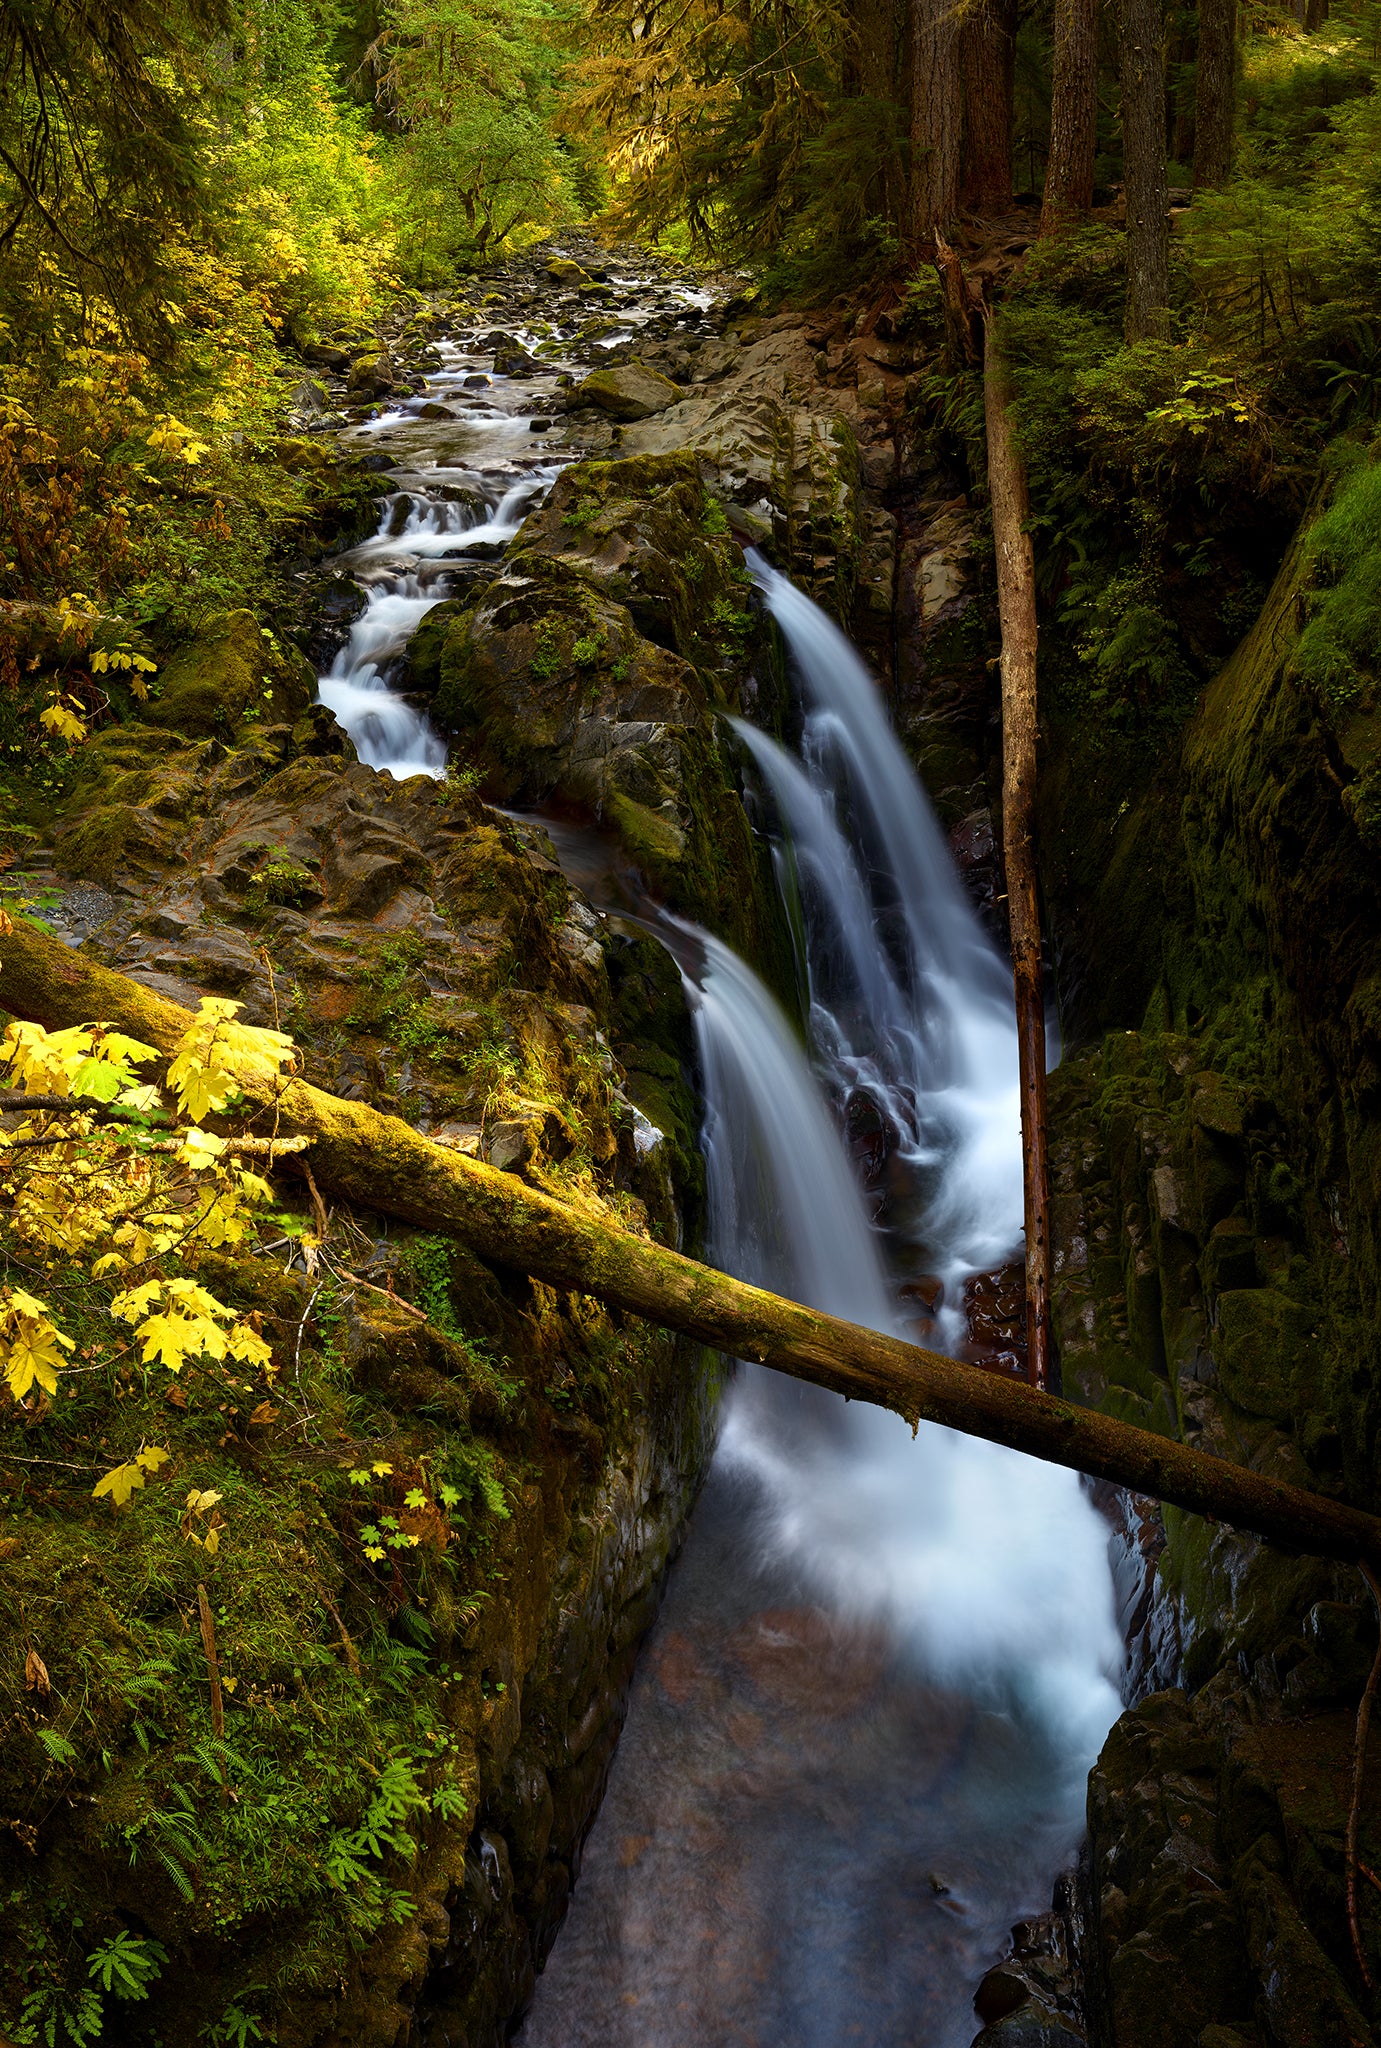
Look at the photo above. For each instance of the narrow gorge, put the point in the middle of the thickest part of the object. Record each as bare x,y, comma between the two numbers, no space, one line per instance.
621,808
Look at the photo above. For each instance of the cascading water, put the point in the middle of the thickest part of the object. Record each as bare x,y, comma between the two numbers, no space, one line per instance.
858,1742
404,569
859,1731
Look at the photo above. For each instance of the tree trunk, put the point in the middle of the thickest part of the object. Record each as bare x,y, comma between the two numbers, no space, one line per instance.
1016,601
1073,116
935,120
1142,61
1180,82
1315,14
382,1164
987,56
1215,93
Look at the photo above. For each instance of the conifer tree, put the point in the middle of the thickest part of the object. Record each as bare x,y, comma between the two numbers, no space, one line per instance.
987,53
936,119
1215,92
1073,112
1142,64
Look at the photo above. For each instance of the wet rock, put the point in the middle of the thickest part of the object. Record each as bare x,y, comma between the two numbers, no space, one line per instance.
631,392
561,270
1033,2024
372,376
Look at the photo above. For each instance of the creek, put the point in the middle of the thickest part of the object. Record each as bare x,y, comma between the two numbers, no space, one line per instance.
860,1729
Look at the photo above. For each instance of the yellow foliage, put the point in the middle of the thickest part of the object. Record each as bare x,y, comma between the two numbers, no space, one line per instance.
217,1054
60,717
87,1059
202,1503
186,1324
168,436
29,1344
123,1480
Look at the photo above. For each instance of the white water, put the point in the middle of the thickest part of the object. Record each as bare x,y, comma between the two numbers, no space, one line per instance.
989,1567
388,732
994,1565
759,1871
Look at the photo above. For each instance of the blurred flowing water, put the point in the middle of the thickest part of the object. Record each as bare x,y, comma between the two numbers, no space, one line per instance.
858,1737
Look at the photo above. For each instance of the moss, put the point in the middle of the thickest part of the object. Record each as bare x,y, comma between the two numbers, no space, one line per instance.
231,670
100,843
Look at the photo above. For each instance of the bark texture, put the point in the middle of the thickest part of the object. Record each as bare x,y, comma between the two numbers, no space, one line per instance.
1016,599
1141,57
936,116
1215,92
1068,192
382,1164
987,57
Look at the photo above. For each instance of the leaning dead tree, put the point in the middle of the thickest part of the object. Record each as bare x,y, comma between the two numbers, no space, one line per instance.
380,1163
1016,602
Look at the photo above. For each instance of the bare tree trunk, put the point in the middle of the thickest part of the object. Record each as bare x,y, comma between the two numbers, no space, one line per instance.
987,55
1315,14
1016,599
381,1164
936,112
1073,116
1142,61
1215,93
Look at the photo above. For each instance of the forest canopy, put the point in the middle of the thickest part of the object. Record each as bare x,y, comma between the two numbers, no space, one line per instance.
192,196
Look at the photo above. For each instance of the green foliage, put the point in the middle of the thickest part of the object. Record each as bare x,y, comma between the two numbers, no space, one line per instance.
473,86
126,1964
1337,652
710,130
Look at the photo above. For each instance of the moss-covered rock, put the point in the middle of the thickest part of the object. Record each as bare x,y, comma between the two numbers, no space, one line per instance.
231,670
630,391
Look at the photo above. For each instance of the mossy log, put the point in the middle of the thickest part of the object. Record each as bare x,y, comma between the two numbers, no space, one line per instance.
381,1163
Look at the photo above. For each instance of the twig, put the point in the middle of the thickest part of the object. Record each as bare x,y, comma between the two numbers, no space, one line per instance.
13,1457
352,1655
323,1221
297,1345
1359,1766
354,1280
208,1643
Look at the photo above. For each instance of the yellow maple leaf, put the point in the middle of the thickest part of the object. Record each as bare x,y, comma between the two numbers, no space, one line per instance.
60,717
123,1480
249,1347
130,1305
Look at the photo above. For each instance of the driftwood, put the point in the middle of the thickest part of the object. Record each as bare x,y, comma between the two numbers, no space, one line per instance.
382,1164
1016,599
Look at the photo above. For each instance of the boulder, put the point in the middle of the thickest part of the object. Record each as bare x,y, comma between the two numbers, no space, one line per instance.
562,270
371,376
229,670
629,392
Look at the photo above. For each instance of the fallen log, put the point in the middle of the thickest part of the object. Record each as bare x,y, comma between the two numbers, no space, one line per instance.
1016,602
381,1163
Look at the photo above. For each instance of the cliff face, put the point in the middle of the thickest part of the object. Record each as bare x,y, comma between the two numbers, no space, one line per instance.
1217,1264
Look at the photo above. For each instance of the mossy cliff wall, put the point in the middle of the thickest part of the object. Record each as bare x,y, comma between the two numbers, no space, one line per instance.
416,1739
1218,1274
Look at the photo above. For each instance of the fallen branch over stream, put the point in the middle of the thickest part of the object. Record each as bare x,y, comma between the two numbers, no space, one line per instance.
380,1163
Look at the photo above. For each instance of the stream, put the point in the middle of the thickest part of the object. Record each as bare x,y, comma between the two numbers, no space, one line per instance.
860,1729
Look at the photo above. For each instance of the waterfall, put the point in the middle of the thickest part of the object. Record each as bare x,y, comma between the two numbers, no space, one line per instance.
403,567
859,1739
981,1562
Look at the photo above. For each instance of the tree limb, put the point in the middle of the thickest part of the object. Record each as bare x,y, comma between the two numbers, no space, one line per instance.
380,1163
